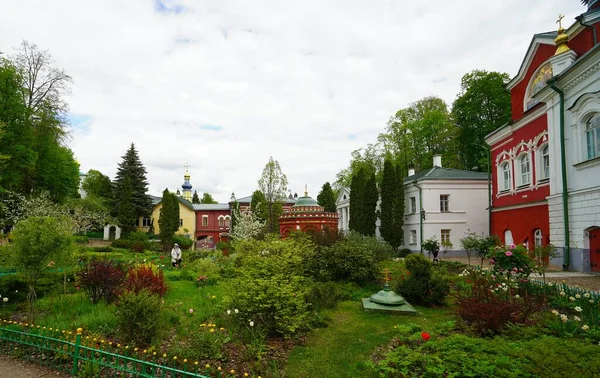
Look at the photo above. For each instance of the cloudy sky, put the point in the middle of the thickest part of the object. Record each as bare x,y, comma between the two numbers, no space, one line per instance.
225,84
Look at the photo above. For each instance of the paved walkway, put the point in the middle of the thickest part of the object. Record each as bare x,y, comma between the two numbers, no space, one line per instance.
566,275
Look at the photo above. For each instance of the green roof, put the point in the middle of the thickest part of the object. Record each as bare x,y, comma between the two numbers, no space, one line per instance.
439,173
305,202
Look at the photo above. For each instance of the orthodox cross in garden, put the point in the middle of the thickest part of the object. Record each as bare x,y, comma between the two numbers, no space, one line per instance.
386,274
559,21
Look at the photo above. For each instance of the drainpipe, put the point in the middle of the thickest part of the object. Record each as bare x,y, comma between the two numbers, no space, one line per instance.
580,19
563,164
420,215
489,191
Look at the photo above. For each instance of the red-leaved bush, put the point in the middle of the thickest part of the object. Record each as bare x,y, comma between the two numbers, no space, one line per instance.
489,303
144,277
101,279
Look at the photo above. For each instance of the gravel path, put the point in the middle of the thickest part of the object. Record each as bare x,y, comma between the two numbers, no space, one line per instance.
11,367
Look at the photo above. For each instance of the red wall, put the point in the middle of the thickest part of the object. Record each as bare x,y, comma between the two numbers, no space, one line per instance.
517,94
522,223
525,133
212,229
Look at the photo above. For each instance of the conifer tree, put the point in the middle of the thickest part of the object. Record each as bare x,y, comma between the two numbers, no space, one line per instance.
398,217
388,200
370,205
195,198
129,188
356,202
326,198
167,219
176,213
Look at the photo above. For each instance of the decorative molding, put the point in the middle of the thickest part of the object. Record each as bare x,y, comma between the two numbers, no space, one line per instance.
592,70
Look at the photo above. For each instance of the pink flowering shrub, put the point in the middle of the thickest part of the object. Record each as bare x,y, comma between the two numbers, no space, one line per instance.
512,261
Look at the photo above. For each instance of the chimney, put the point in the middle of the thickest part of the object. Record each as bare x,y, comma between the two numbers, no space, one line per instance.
411,172
437,161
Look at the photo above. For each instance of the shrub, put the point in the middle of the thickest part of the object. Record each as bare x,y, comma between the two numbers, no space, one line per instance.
139,316
421,285
184,242
512,261
327,295
81,239
206,268
137,236
348,260
101,279
404,252
382,250
489,303
103,249
144,278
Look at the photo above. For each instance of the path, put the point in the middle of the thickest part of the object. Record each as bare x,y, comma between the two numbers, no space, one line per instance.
15,368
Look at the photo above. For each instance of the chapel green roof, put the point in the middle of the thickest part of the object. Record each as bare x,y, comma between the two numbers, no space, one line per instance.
306,201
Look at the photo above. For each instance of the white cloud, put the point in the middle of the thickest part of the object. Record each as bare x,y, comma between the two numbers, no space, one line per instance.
304,82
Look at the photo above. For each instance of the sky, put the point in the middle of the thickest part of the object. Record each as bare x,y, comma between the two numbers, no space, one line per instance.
223,85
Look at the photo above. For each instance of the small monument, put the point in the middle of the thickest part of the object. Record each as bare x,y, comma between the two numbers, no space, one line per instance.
387,299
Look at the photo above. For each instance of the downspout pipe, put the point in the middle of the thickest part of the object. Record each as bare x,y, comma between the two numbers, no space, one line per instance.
563,164
420,215
580,19
490,191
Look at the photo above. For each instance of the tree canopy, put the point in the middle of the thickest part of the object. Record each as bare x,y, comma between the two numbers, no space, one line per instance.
326,198
195,198
207,198
273,184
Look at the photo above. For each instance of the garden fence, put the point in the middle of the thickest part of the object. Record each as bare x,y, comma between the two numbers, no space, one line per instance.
71,353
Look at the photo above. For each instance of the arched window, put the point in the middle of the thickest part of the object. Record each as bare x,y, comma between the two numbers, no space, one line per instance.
505,181
545,168
538,237
592,136
221,221
524,170
508,238
227,220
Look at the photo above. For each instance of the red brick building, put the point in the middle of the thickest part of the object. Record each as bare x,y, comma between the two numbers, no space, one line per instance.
522,150
307,216
212,224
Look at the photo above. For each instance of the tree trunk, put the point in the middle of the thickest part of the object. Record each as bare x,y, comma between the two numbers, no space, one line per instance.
31,298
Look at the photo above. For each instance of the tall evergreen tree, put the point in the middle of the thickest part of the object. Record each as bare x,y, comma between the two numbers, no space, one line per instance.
357,187
370,205
166,220
195,198
176,213
326,198
131,172
398,215
388,200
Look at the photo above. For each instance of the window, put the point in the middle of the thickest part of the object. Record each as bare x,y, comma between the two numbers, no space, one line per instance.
538,237
221,221
445,236
592,136
413,236
505,179
205,220
146,222
524,170
444,203
508,238
137,222
413,205
545,168
227,221
180,222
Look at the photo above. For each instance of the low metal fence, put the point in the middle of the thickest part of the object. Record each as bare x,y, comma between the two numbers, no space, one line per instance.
91,357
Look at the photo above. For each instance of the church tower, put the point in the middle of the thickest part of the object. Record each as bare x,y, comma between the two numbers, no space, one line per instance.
187,187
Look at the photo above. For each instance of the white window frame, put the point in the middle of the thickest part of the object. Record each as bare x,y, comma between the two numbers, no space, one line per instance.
504,182
592,137
413,205
146,221
180,222
542,172
204,220
227,221
413,237
538,238
508,237
221,219
522,174
445,235
444,203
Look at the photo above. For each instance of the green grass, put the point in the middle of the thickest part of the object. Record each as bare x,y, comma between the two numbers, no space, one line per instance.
341,349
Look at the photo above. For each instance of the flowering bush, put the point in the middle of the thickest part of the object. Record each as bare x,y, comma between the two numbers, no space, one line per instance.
489,302
576,313
512,261
144,277
101,280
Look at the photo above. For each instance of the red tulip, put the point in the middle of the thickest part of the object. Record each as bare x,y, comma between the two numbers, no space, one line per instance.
426,336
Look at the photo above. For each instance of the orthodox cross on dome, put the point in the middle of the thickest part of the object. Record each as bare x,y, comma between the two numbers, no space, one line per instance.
305,190
559,21
386,275
186,166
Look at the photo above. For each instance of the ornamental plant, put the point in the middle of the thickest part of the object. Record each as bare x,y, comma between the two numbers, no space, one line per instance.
145,278
101,279
512,261
422,285
139,317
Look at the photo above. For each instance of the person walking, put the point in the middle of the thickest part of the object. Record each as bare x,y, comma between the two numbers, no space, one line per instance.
176,256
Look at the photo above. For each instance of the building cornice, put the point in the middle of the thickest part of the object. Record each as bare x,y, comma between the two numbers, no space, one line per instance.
498,135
